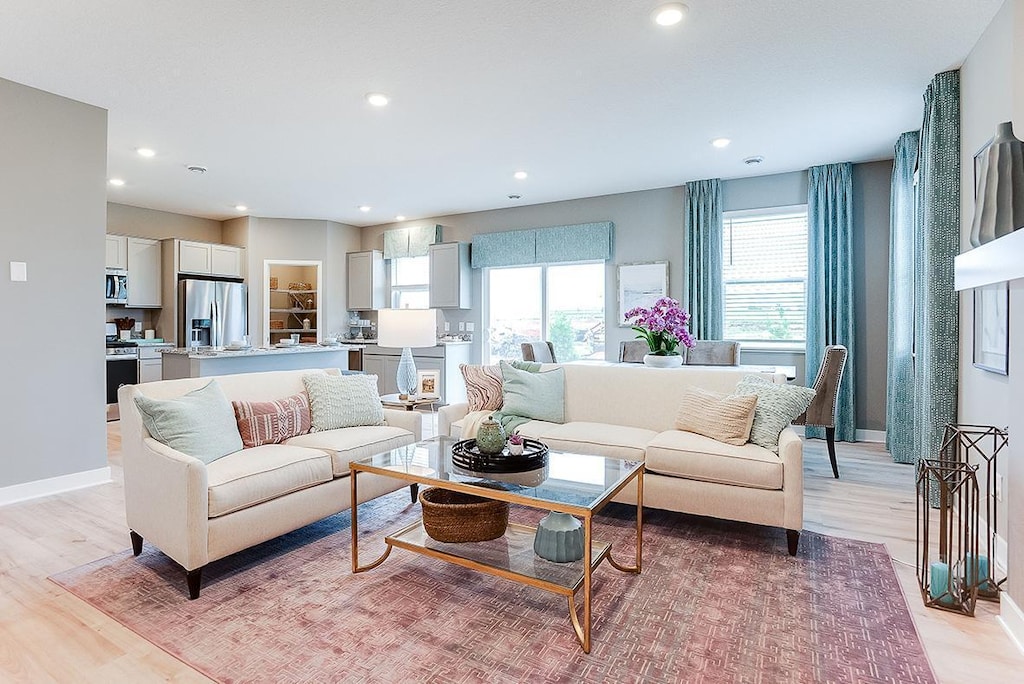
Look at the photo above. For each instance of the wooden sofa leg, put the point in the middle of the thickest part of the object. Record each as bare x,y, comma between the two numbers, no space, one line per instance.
136,542
194,578
830,438
793,539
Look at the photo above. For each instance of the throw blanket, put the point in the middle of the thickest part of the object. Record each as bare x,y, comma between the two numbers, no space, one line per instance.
509,422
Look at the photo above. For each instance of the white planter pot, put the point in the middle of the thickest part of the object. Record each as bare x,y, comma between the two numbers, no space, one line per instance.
654,361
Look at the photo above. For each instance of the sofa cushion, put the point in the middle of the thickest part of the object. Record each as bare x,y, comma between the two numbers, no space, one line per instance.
536,429
252,476
354,443
540,396
483,387
199,423
777,407
695,457
341,401
600,439
272,422
726,418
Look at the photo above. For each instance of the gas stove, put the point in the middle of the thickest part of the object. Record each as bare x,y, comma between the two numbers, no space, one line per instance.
121,350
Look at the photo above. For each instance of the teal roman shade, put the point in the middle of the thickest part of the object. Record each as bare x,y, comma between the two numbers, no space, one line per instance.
412,241
555,244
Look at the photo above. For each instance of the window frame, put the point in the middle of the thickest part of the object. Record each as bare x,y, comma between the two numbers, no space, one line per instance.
394,289
485,340
755,345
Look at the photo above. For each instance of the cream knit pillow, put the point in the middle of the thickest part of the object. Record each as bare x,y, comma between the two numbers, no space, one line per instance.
725,418
338,401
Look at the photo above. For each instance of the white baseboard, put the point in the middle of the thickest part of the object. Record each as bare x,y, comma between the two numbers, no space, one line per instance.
53,485
861,435
1012,620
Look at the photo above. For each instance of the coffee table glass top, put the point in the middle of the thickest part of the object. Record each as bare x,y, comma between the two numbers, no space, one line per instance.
573,479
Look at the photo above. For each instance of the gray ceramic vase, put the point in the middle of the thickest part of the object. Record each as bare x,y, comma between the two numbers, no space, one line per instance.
999,202
559,538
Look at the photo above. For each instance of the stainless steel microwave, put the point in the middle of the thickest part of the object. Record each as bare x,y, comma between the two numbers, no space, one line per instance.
117,286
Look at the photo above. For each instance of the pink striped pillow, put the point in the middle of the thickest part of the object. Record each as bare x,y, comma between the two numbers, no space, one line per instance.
272,422
483,387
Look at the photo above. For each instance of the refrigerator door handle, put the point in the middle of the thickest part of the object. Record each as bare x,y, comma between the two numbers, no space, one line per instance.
216,332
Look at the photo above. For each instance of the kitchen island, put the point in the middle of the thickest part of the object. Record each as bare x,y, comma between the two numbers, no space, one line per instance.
191,363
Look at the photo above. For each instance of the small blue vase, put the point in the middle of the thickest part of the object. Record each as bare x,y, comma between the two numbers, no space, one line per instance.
559,538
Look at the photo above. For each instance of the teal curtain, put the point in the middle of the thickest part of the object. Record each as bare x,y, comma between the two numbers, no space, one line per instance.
830,283
705,296
899,404
936,243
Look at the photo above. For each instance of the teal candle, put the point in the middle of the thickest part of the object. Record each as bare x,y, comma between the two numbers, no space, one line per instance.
982,575
938,582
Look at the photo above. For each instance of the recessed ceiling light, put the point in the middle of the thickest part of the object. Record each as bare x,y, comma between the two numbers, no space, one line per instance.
241,207
520,175
146,152
669,14
721,142
365,208
399,218
377,99
117,182
753,161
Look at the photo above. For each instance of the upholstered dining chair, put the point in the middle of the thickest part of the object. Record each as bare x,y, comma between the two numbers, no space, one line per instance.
541,352
822,411
633,351
713,353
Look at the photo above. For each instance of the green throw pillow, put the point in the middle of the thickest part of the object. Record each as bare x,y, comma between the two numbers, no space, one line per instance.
777,406
339,401
200,423
539,396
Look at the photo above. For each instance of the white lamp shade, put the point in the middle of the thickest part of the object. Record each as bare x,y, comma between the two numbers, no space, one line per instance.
406,328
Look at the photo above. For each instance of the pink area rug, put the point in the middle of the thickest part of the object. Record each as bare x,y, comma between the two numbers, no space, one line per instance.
716,602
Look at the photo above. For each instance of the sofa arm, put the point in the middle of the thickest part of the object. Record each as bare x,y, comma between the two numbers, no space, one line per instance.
447,415
407,420
791,452
167,500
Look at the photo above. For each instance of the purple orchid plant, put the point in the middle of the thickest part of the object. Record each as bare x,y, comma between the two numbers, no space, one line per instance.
663,326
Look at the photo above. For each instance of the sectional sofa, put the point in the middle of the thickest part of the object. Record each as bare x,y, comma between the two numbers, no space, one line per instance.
198,512
629,411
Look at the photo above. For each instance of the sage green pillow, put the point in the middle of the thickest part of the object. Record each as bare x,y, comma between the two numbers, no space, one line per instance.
200,423
539,396
340,401
777,406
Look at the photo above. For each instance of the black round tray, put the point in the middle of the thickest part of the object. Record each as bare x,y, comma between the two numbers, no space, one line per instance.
465,454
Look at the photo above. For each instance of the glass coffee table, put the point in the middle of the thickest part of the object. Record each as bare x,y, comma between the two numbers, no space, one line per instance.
577,484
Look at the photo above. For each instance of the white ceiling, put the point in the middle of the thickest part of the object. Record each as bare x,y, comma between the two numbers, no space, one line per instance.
589,96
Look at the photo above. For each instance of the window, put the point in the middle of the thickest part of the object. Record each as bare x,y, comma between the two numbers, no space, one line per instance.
563,303
410,282
764,273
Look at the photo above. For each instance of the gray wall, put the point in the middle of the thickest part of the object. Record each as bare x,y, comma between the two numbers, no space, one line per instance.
649,227
53,216
123,219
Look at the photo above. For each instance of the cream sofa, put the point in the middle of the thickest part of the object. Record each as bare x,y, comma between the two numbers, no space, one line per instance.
197,513
628,411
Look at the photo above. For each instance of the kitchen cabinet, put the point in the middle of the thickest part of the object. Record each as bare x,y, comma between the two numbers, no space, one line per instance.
117,251
151,361
144,271
444,358
450,286
205,258
365,280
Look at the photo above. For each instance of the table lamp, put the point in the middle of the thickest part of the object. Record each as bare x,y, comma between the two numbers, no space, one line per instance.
406,328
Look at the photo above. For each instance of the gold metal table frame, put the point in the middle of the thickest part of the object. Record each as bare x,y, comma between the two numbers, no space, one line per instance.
413,538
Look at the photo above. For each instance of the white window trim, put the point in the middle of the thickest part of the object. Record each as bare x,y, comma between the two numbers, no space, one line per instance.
761,346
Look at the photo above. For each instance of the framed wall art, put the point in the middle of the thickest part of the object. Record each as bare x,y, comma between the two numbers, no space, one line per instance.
640,284
992,328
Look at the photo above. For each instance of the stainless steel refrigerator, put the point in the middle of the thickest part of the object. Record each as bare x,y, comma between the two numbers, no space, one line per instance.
212,312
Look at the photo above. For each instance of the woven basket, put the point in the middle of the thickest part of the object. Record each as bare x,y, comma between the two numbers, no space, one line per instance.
273,282
456,517
277,325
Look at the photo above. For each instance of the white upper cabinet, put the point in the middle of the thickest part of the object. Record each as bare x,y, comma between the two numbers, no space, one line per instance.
208,259
117,251
365,281
144,271
450,286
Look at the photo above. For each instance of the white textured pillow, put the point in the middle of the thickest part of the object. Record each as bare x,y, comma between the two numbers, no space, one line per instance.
777,406
339,401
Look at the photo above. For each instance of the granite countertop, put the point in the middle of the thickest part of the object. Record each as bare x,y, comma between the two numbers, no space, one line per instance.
258,351
440,343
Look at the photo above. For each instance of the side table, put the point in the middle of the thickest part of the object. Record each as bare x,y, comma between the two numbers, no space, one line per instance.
414,400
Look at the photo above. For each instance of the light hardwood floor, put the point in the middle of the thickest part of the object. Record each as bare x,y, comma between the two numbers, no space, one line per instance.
48,635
